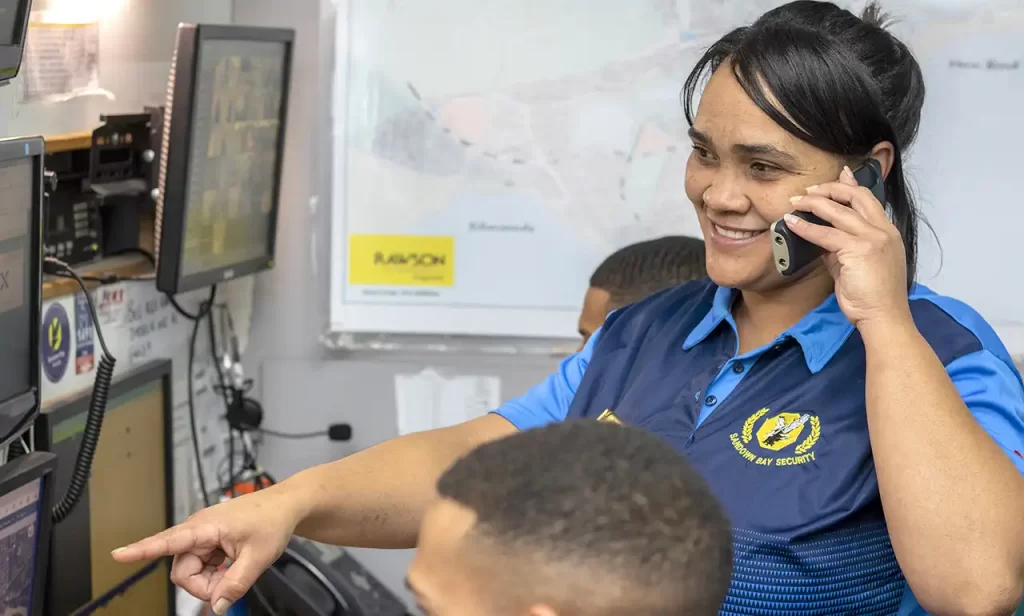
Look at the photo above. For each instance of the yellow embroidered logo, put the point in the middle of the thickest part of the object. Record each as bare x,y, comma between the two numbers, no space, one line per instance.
776,434
609,417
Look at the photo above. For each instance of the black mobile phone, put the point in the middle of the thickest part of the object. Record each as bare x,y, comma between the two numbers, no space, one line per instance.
792,252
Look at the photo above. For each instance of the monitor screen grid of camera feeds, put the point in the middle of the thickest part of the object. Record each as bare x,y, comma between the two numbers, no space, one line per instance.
234,153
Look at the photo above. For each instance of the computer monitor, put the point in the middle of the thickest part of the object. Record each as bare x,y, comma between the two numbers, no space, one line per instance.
21,237
130,494
14,15
220,164
26,492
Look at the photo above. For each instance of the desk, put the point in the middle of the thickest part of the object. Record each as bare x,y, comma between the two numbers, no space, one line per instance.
125,265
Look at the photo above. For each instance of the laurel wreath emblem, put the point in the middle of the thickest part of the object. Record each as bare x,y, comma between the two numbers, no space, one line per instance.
748,425
812,438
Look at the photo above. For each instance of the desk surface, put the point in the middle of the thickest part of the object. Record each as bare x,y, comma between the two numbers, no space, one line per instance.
66,143
124,266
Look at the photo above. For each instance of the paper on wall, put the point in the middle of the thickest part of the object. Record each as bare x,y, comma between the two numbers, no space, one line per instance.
429,400
61,61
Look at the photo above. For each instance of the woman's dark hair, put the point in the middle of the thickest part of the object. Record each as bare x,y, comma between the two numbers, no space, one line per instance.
839,82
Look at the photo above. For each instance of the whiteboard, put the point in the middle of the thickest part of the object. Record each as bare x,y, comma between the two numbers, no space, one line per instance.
487,156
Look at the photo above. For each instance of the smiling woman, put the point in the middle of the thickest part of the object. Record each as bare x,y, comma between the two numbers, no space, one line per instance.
859,434
791,135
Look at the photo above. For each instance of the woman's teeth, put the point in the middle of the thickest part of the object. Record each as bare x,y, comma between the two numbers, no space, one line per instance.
736,235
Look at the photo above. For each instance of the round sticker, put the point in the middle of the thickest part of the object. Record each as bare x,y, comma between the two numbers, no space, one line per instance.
55,342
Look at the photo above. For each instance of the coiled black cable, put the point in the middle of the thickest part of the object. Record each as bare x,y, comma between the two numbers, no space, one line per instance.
97,407
90,438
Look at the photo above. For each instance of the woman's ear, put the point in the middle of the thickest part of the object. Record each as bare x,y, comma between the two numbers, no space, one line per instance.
885,154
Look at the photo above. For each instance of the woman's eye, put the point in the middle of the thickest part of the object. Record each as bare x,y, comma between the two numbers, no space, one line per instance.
762,169
703,154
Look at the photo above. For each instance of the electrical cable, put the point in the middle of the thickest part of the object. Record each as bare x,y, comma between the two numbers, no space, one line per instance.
152,261
97,406
231,461
299,436
204,310
224,386
188,315
109,278
236,395
104,376
245,414
246,461
233,395
224,480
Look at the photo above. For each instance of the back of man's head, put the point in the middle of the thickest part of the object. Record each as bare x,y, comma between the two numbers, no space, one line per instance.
638,270
592,518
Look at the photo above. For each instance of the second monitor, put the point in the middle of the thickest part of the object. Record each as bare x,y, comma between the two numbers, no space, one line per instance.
220,168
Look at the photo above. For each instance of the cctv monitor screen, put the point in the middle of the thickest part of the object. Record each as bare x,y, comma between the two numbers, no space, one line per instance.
19,187
26,492
231,184
235,130
13,26
10,22
19,530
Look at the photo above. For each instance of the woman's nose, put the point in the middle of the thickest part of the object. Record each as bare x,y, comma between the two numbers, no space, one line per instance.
725,197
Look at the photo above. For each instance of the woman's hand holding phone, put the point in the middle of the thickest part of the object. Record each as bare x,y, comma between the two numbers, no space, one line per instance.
864,251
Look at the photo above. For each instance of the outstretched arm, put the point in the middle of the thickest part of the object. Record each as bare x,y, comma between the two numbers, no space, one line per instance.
374,498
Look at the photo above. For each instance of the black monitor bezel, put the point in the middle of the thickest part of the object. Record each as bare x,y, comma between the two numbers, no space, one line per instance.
28,401
11,55
15,474
177,150
152,372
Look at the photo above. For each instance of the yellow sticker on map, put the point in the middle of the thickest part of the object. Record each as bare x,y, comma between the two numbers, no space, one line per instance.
401,260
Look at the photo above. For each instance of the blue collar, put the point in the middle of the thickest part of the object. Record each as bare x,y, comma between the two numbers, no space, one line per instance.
820,332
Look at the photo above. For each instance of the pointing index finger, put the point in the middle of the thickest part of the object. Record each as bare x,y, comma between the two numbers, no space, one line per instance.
170,542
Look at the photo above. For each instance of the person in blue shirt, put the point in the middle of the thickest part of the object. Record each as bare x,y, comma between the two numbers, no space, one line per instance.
863,433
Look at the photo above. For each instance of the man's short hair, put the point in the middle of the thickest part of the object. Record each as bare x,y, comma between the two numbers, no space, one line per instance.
638,270
596,518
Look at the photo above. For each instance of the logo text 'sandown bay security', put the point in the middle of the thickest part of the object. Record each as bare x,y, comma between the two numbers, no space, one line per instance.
401,260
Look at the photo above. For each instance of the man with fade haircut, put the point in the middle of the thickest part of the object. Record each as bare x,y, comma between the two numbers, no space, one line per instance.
636,271
581,518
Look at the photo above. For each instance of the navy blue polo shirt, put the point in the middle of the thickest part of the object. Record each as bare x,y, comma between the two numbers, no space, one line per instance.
780,433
